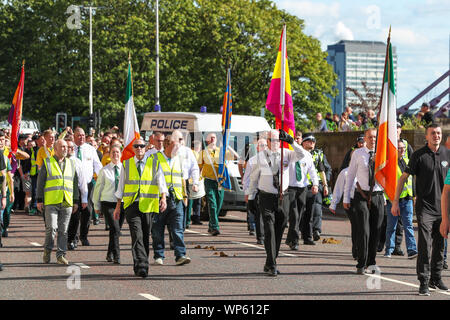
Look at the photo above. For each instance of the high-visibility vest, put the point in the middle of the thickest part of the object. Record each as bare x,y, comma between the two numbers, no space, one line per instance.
317,156
407,187
173,176
59,186
406,155
33,170
144,186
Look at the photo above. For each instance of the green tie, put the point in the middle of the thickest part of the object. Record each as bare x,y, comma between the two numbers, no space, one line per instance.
298,171
116,177
79,153
139,167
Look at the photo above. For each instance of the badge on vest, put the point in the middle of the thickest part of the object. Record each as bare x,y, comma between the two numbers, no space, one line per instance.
444,163
285,163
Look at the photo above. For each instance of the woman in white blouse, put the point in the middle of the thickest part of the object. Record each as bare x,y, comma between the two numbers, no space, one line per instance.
105,201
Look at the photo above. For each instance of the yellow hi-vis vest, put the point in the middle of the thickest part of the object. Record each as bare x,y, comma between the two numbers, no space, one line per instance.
33,170
173,176
407,187
145,186
59,186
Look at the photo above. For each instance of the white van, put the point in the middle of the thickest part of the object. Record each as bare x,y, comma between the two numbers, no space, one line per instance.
244,129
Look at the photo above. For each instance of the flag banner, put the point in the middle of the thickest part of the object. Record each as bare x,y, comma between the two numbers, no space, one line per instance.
15,113
130,123
223,176
280,91
386,152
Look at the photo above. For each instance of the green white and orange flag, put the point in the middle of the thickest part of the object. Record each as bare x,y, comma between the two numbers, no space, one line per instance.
386,153
130,123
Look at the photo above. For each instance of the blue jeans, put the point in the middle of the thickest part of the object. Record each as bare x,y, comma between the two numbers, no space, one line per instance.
174,219
406,214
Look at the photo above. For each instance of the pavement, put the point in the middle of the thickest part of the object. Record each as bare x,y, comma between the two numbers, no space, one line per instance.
225,267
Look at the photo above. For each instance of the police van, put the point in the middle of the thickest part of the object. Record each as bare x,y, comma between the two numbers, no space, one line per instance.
244,132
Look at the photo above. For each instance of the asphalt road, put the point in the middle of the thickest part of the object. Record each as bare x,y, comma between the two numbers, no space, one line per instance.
229,269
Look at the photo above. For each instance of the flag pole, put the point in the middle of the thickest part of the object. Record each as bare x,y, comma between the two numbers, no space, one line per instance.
282,101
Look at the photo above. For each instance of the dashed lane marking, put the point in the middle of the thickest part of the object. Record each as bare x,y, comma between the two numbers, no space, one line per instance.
82,265
149,296
36,244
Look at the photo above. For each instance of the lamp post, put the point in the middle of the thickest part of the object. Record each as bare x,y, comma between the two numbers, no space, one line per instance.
157,59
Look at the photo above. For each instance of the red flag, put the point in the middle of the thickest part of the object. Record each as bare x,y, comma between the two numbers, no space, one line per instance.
15,114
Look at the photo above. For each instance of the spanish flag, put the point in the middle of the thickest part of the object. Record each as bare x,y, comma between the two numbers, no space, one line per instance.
15,113
130,123
280,91
386,152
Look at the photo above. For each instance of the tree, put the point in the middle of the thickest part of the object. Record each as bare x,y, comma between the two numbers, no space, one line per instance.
198,39
369,99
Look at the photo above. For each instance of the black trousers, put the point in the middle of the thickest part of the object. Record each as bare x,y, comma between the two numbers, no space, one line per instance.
430,247
81,218
297,206
275,221
115,226
312,218
140,224
253,207
354,229
369,226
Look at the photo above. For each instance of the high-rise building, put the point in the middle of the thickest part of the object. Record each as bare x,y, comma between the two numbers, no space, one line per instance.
354,62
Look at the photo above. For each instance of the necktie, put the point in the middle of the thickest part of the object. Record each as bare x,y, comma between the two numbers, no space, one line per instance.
79,153
371,168
298,171
139,167
116,177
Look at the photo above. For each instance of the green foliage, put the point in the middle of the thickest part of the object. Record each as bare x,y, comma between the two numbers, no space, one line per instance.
198,39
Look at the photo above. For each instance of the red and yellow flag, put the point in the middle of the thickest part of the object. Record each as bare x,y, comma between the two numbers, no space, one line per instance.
387,154
15,113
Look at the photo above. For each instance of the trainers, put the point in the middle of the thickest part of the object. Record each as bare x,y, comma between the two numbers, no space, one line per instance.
412,255
251,232
62,260
183,260
158,262
387,255
398,252
316,236
46,257
423,289
438,284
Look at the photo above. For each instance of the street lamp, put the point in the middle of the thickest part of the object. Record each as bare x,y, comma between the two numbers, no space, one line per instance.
157,59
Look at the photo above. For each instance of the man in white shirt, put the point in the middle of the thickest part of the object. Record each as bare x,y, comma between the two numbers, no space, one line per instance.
82,183
266,177
298,188
368,220
90,164
252,205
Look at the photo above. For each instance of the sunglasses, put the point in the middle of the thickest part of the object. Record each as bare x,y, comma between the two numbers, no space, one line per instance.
139,146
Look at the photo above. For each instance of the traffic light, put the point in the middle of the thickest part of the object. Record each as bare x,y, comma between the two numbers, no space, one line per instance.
91,121
61,121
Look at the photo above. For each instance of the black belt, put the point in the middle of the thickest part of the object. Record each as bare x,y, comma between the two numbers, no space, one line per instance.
297,188
374,193
275,195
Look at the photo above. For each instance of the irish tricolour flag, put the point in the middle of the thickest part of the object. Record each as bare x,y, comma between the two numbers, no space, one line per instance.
386,153
130,123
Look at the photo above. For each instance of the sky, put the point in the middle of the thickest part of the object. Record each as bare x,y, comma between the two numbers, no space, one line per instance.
420,33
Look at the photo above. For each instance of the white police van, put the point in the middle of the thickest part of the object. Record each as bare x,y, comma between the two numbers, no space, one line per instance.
244,130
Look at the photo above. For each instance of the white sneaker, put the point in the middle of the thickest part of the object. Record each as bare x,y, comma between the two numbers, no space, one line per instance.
183,260
158,262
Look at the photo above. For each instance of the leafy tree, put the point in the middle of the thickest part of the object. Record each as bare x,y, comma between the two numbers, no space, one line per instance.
198,40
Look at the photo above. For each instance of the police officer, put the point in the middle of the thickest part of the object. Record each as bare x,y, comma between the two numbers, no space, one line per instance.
266,178
57,193
430,165
300,175
311,223
368,216
140,186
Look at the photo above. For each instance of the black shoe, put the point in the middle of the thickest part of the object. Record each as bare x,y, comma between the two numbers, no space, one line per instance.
116,260
360,270
271,272
398,252
316,236
423,289
437,284
294,246
215,232
1,245
188,226
142,273
71,246
380,249
445,266
251,232
1,267
109,257
259,241
96,222
309,242
107,228
85,242
5,233
197,221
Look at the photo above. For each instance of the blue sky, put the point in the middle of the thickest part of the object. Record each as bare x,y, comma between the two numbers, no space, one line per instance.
420,31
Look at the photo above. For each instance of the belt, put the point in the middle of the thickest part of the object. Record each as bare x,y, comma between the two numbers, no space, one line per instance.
297,188
374,193
275,195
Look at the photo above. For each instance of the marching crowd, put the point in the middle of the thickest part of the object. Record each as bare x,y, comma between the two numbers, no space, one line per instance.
71,179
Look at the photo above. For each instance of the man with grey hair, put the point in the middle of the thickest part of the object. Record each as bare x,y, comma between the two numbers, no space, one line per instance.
57,193
266,176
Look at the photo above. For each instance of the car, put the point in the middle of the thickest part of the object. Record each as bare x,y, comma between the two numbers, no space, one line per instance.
26,126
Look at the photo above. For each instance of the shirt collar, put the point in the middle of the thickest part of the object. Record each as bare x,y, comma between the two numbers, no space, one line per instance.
368,150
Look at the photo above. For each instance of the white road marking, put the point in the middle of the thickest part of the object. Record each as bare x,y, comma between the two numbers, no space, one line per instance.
36,244
82,265
149,296
202,234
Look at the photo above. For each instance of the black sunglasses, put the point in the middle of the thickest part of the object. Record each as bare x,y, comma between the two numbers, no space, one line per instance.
139,146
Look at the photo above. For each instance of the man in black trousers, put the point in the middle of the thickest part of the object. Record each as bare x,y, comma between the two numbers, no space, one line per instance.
369,217
430,165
